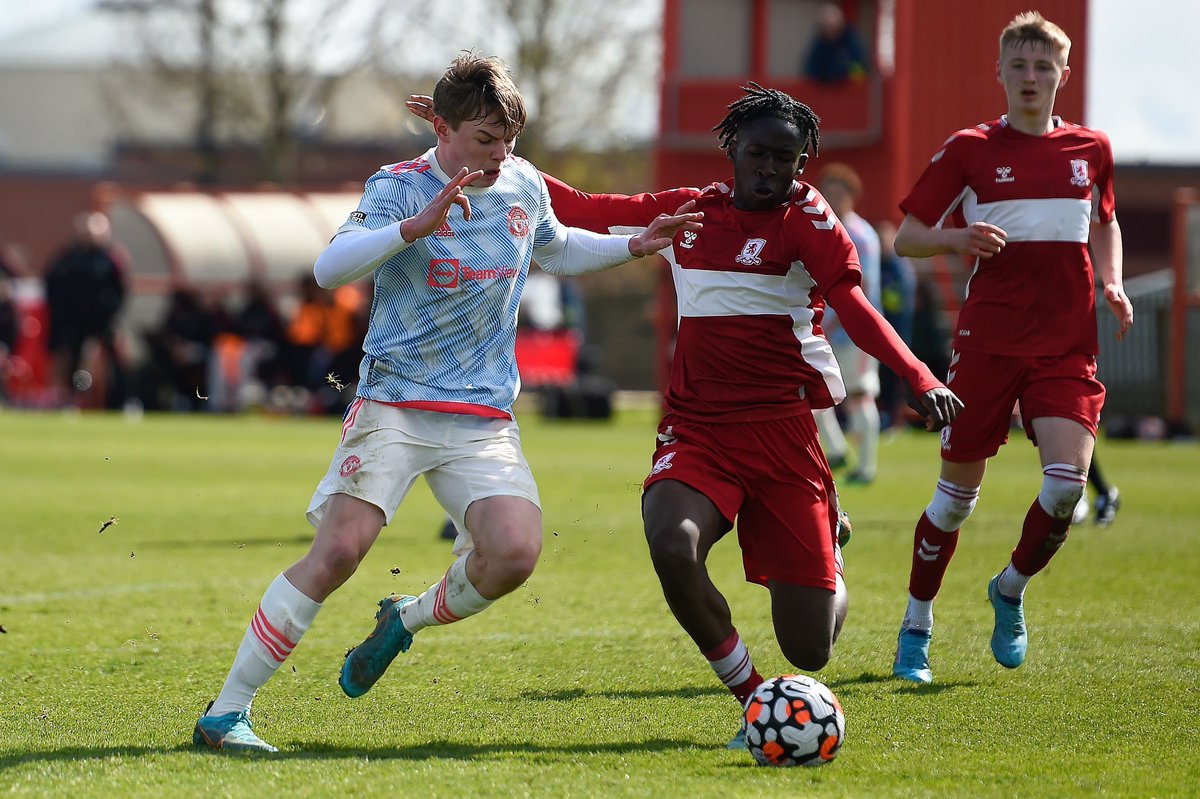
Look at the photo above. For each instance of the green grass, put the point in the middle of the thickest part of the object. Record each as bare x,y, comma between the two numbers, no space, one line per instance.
580,683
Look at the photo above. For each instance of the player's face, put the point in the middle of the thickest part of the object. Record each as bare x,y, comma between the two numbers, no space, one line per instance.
1031,74
767,155
479,144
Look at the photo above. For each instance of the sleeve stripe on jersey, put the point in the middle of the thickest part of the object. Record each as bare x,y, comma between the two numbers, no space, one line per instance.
819,209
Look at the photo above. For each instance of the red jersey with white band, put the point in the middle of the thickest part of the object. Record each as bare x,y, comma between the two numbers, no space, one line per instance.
1036,296
749,288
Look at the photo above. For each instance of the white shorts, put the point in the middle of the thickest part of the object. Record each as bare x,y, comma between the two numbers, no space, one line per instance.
860,372
463,458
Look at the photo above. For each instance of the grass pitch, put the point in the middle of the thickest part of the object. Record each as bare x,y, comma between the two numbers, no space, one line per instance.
580,683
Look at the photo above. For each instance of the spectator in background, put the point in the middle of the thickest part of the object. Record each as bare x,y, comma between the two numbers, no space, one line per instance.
305,330
9,271
333,371
260,325
898,297
85,290
842,189
836,53
179,352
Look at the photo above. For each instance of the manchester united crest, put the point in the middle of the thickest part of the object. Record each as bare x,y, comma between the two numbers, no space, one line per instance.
518,222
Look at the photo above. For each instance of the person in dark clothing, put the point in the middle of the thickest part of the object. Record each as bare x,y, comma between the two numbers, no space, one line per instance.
836,53
180,349
85,290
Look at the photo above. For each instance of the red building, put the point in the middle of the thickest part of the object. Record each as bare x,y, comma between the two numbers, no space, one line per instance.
932,70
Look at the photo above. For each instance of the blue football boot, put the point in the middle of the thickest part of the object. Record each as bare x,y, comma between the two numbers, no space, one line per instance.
230,732
1009,639
367,662
912,656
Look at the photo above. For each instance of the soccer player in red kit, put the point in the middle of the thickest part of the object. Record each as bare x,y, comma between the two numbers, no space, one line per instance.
738,440
1033,191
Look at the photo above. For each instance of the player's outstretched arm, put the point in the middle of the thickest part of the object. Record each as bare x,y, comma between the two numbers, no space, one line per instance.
664,228
937,407
431,217
915,239
356,251
577,251
1106,247
871,333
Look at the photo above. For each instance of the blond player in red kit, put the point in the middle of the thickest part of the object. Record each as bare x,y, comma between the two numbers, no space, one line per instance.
1033,191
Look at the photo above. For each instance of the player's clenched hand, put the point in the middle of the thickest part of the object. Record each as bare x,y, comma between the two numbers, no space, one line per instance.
979,239
435,213
420,105
937,406
1121,307
664,228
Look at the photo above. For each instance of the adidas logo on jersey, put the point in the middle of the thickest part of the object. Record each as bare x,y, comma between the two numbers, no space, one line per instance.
444,232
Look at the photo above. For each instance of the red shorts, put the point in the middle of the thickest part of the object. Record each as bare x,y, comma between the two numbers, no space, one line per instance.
772,478
1062,386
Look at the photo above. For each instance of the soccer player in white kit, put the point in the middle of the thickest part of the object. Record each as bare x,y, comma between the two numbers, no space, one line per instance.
1034,192
449,237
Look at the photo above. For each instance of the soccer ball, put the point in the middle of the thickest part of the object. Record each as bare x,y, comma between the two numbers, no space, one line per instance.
794,720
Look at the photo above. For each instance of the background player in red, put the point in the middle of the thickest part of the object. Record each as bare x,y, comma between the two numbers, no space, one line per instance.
1033,190
738,440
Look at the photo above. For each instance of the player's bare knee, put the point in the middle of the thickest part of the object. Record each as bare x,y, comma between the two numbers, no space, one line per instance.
808,655
340,559
512,561
674,547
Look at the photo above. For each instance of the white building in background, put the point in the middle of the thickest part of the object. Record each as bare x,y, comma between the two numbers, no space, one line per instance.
70,91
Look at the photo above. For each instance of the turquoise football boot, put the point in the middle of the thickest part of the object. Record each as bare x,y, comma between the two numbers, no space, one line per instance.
367,662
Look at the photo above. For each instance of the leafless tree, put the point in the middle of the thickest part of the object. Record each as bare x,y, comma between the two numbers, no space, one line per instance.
582,65
249,71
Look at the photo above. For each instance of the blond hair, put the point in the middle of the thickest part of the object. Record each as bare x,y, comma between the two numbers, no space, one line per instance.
474,87
1032,28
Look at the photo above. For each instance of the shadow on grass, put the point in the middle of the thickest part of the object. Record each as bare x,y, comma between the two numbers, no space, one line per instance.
322,750
848,686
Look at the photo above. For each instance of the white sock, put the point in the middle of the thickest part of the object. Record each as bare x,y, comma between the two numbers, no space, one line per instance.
918,615
450,599
864,423
282,617
1012,582
831,433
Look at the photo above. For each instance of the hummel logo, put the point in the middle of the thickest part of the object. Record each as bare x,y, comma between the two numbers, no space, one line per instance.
689,239
1004,174
927,551
663,463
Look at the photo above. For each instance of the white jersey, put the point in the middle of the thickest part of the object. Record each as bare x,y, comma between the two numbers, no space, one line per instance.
443,319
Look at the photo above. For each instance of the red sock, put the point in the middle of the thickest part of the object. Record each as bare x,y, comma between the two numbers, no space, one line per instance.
932,550
1041,536
731,661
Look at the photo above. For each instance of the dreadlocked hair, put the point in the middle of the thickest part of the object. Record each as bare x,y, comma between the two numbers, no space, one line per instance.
760,102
